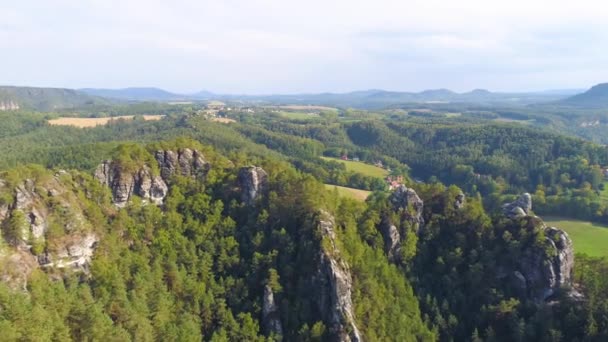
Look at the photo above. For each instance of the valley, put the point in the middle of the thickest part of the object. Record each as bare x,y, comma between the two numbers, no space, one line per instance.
401,210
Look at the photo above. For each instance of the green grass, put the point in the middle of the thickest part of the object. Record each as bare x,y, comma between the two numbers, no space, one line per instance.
588,237
604,193
356,194
362,168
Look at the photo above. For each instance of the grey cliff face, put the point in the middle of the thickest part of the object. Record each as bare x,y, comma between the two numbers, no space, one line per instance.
407,202
459,201
541,270
185,162
392,239
252,181
73,251
152,189
334,281
521,207
270,315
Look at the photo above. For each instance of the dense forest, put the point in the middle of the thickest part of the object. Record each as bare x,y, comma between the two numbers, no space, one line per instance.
186,229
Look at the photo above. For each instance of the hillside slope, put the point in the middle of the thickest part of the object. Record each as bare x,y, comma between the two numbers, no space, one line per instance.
595,97
45,99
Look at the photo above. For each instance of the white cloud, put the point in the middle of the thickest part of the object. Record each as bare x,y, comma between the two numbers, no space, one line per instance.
265,46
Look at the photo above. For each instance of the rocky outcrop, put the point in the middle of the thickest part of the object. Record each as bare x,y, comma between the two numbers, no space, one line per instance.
36,205
252,181
185,162
271,321
334,283
408,206
124,184
459,201
9,105
406,201
75,253
521,207
541,269
142,182
392,239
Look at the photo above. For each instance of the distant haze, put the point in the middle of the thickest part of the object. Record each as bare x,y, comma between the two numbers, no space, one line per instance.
274,46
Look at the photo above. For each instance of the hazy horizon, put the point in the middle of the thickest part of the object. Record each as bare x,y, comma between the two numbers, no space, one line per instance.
283,47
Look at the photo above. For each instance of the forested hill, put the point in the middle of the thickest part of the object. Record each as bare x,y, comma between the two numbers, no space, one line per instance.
596,97
190,229
45,99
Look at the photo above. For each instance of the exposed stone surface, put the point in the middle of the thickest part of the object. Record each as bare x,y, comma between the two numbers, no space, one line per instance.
522,206
392,239
459,201
334,283
8,105
124,185
407,202
541,270
21,254
74,253
252,181
189,163
151,188
271,321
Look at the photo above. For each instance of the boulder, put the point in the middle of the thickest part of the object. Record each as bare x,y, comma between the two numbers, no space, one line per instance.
125,184
252,181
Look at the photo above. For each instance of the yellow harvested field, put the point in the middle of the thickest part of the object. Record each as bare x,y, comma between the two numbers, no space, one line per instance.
356,194
92,122
223,120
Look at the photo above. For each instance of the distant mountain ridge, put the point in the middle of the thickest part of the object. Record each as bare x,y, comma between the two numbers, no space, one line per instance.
45,99
597,96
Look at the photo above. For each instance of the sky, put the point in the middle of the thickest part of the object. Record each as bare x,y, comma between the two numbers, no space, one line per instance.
284,46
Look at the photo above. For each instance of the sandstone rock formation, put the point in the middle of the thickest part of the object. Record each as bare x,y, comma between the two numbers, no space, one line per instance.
521,207
185,162
252,181
392,239
125,184
25,221
271,321
9,105
334,281
459,201
541,270
408,204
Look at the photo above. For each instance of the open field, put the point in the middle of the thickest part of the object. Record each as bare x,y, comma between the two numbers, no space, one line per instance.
589,238
507,120
604,193
361,167
356,194
223,120
92,122
311,108
298,115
